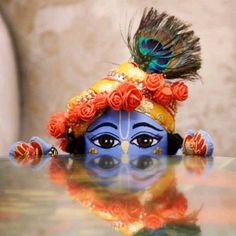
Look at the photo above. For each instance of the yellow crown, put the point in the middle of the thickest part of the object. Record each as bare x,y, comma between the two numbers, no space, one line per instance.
128,72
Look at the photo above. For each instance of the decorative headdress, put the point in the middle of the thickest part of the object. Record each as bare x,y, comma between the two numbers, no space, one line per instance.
164,54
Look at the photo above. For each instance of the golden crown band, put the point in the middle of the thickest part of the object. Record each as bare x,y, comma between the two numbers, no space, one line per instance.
128,72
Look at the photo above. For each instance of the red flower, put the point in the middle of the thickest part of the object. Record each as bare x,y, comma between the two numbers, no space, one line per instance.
154,82
180,91
100,101
153,221
131,98
126,96
57,125
115,100
86,111
164,96
73,115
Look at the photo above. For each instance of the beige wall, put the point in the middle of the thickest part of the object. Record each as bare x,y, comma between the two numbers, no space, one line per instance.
64,46
9,91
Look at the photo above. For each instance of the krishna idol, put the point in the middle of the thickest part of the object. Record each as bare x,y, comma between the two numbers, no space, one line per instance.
131,111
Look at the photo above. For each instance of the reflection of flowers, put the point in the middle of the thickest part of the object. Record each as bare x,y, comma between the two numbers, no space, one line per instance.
128,212
117,208
134,209
57,172
153,221
81,193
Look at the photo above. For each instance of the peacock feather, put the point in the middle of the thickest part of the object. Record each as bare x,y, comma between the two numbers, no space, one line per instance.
164,44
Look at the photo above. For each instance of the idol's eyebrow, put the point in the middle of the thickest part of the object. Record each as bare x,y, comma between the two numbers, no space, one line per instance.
102,125
144,124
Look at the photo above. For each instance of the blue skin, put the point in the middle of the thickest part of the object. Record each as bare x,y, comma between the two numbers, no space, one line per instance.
125,143
142,133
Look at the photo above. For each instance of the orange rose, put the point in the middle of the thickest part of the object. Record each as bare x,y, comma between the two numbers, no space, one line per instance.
115,100
131,98
154,82
164,96
180,91
124,87
153,221
100,101
57,125
73,116
86,111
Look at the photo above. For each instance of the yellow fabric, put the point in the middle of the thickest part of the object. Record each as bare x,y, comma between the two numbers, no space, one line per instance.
131,71
124,72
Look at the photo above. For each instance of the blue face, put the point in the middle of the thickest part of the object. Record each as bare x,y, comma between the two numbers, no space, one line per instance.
125,135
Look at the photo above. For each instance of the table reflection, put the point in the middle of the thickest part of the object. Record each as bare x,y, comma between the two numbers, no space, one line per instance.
139,197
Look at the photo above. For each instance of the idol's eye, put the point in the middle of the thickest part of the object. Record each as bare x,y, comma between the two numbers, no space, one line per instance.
105,141
106,162
145,140
143,162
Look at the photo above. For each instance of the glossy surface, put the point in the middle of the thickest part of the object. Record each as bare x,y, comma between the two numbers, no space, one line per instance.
60,196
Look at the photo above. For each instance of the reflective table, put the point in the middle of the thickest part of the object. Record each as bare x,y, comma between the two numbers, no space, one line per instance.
156,196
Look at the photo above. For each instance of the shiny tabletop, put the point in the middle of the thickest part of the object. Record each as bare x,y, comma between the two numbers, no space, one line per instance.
61,196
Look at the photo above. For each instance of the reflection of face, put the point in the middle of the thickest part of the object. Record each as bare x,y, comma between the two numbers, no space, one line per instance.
122,133
133,176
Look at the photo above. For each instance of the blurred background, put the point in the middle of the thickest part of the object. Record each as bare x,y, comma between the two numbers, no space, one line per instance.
51,50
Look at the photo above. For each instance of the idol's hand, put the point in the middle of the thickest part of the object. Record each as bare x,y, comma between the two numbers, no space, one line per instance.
199,143
27,152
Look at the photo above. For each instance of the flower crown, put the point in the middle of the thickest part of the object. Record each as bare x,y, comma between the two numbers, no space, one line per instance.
164,54
148,93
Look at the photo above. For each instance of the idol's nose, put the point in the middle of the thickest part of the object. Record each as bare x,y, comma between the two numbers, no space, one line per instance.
125,146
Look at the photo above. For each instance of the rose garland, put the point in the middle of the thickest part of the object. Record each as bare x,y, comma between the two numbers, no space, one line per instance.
170,207
126,96
164,93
